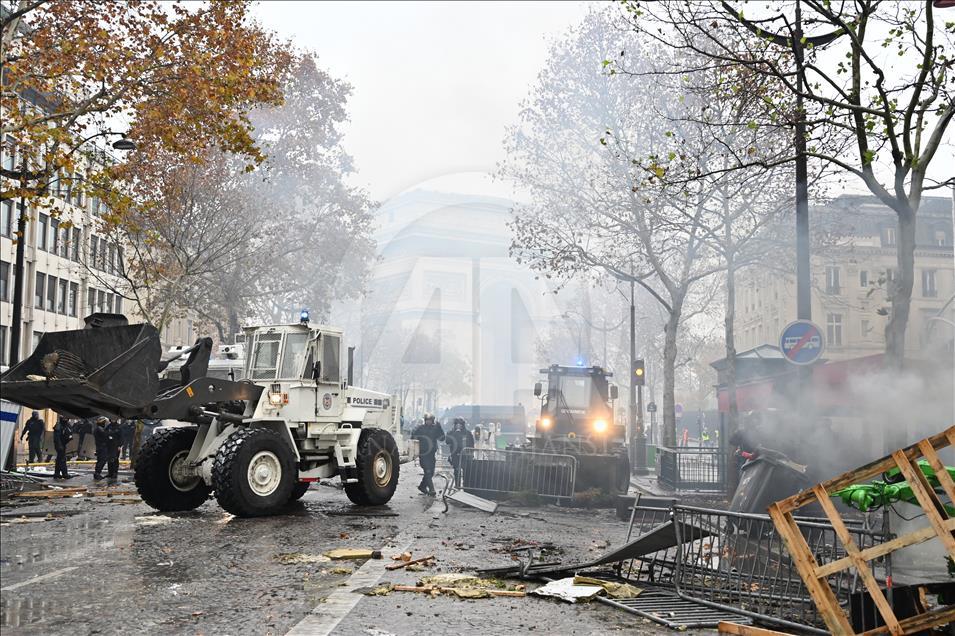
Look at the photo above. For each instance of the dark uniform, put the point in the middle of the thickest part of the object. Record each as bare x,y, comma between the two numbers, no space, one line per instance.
107,435
62,434
127,432
429,435
33,430
458,439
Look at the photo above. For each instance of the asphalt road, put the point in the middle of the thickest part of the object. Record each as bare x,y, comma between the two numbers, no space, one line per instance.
101,567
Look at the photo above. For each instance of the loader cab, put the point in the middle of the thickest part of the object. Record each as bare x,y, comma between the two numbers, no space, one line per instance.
293,352
577,404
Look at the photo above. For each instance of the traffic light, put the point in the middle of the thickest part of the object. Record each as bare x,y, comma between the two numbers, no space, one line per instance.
639,373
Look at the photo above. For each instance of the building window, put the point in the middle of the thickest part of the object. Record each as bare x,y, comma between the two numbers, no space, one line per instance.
834,329
53,236
100,301
101,264
865,328
39,290
75,246
78,191
94,250
50,293
36,338
6,218
929,290
941,238
119,304
64,241
42,233
9,155
832,280
3,343
91,301
888,236
111,259
71,301
94,205
4,280
61,297
863,278
120,267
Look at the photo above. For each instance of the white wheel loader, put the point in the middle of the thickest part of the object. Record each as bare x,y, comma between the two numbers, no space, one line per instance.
256,444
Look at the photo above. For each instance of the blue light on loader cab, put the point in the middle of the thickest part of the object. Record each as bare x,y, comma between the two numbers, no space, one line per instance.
303,317
580,362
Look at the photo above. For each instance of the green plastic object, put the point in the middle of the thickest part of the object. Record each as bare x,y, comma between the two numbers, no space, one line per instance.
877,494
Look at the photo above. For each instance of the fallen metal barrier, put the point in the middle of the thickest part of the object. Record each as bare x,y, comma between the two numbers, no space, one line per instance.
738,562
493,473
692,468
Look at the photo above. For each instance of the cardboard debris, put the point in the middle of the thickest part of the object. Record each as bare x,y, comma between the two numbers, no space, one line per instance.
298,558
613,589
565,590
382,589
404,556
353,553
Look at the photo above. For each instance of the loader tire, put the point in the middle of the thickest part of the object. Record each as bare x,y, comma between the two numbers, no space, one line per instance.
299,490
158,480
378,468
254,473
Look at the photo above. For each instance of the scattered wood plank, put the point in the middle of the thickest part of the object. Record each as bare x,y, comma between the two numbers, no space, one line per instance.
726,627
404,564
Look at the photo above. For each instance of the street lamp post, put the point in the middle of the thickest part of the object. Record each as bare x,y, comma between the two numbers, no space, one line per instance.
638,446
18,278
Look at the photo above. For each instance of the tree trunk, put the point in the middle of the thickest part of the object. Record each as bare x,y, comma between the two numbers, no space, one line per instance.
732,413
234,326
669,375
902,295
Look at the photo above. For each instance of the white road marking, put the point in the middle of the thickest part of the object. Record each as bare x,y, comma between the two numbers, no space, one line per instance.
37,579
326,616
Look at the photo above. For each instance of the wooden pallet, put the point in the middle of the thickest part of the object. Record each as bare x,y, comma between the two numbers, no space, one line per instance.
940,527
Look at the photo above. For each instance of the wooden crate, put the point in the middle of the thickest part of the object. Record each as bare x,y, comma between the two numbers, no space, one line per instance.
940,527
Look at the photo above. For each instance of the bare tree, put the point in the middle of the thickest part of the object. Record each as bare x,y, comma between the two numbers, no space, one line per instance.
878,71
581,150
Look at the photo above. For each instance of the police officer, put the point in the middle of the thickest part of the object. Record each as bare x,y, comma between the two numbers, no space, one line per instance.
127,431
458,439
107,435
33,430
62,434
428,434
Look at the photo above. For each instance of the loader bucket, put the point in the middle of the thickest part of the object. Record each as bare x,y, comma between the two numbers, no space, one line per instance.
111,371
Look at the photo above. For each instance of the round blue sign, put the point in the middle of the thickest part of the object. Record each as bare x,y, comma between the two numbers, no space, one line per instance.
802,342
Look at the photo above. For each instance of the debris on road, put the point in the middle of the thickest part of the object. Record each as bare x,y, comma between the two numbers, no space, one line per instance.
382,589
404,564
153,520
404,556
339,570
467,499
613,589
300,558
339,554
566,590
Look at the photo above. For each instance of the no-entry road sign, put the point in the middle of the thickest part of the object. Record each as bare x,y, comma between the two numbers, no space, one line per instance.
802,342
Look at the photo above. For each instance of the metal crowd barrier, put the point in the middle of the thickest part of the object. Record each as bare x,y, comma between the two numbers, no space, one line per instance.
495,473
743,565
692,468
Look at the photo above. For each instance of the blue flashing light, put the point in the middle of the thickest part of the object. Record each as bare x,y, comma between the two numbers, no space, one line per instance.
303,317
580,362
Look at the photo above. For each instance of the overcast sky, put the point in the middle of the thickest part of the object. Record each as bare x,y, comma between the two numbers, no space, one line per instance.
435,83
